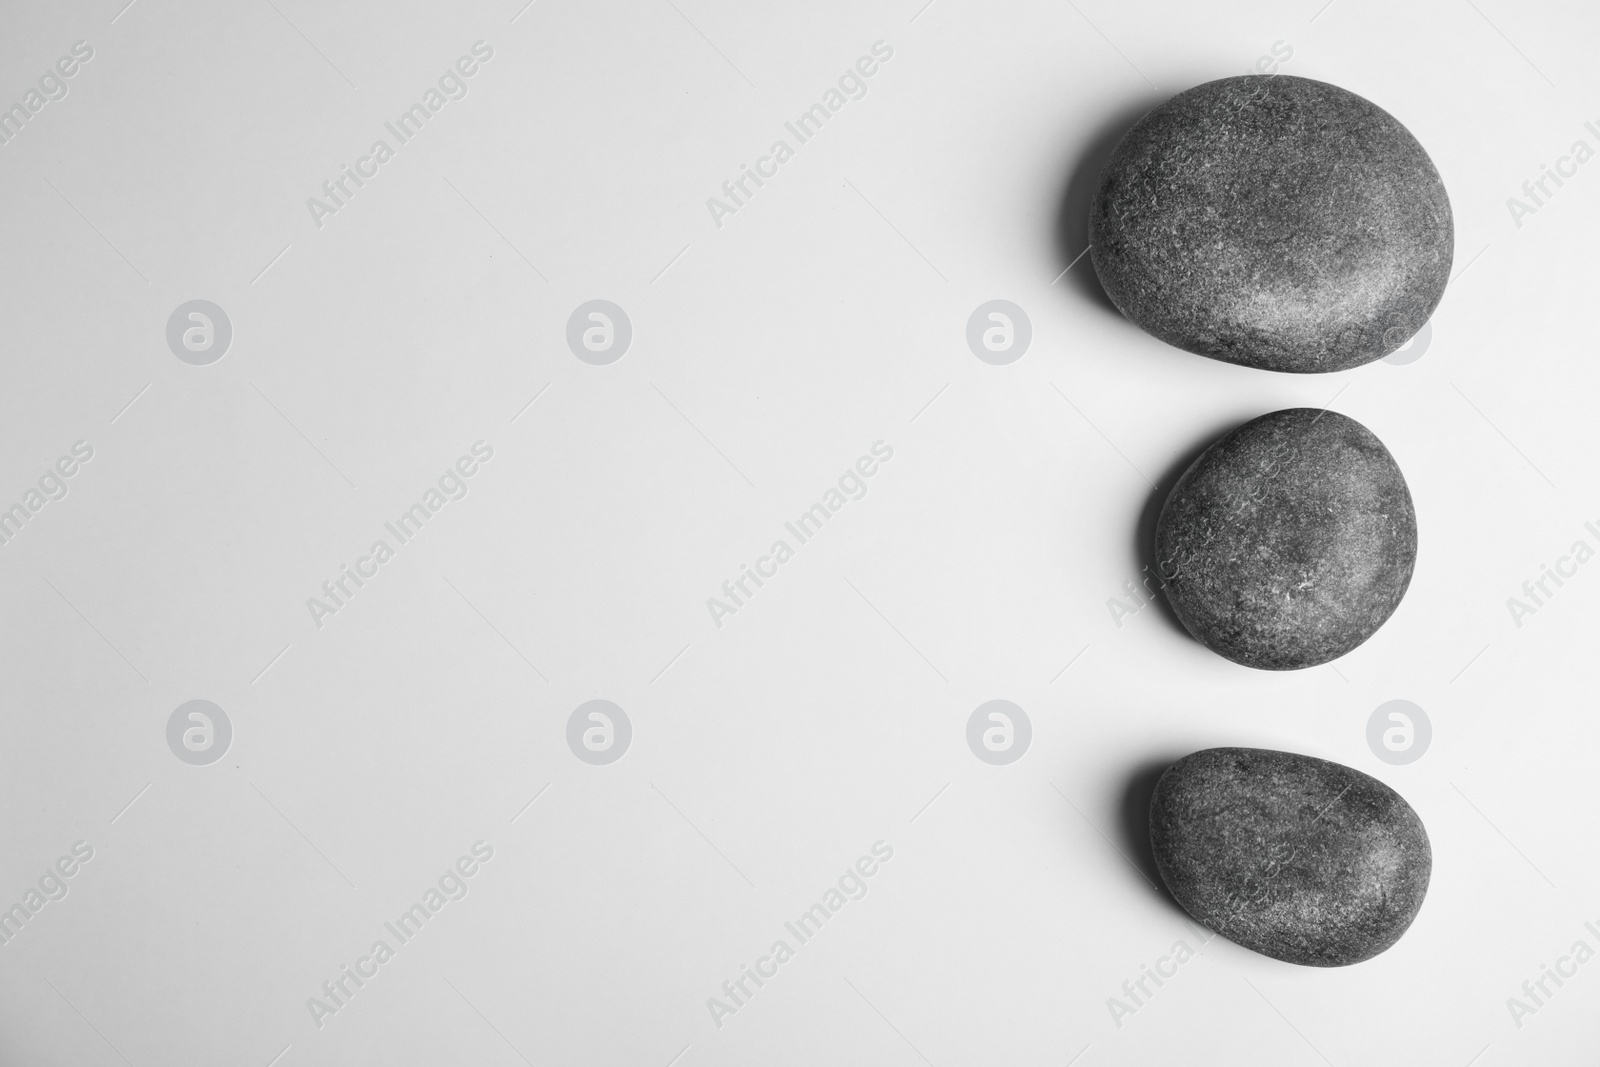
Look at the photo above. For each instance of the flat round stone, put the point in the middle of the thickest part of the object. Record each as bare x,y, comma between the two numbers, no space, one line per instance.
1276,222
1289,541
1298,858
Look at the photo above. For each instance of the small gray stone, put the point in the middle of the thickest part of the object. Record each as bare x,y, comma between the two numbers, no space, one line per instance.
1289,541
1276,222
1298,858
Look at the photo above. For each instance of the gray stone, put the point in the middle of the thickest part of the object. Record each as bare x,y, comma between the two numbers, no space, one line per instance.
1276,222
1289,541
1298,858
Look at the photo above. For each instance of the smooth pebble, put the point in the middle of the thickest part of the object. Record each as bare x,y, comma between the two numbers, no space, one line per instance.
1276,222
1289,542
1298,858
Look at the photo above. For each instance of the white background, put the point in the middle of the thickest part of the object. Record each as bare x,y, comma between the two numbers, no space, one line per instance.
768,354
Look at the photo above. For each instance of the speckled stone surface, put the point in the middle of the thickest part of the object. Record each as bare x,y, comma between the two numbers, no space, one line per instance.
1289,541
1277,222
1298,858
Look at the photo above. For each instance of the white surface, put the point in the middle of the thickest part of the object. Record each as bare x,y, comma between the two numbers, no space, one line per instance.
773,351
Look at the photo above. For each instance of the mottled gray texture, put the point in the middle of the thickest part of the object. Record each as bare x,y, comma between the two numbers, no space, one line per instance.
1298,858
1277,222
1289,541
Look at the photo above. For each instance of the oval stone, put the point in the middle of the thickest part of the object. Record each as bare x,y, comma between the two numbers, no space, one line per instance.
1298,858
1276,222
1289,541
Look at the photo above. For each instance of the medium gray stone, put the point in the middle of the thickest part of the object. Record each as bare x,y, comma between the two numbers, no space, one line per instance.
1289,541
1276,222
1298,858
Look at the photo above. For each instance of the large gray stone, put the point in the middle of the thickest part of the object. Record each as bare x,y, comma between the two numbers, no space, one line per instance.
1277,222
1289,541
1297,858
